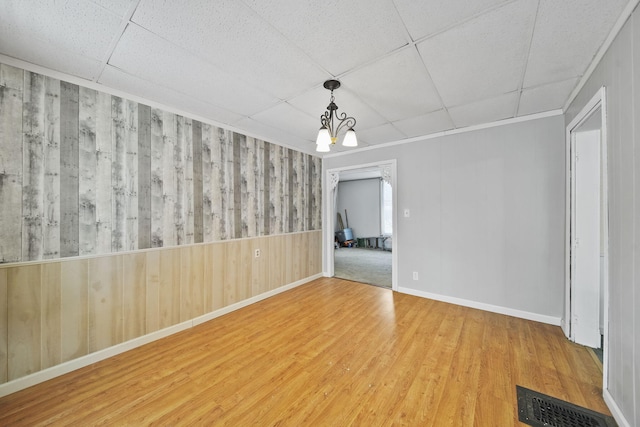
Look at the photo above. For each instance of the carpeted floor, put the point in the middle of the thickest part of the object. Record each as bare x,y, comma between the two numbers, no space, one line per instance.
371,266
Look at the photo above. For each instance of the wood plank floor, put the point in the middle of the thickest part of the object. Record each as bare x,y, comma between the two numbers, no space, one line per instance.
330,352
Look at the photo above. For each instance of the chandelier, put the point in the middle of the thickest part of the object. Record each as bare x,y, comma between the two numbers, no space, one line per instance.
333,122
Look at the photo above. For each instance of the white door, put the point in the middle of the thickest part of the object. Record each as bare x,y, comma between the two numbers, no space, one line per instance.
585,256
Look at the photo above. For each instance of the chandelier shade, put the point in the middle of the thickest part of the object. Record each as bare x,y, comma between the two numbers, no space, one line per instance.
333,123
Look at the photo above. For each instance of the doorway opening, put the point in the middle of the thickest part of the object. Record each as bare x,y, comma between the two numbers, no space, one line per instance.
587,239
360,224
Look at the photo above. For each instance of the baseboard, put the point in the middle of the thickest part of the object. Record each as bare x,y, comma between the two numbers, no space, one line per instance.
72,365
483,306
615,409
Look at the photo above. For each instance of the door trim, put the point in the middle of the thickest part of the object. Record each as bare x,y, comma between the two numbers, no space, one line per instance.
329,220
597,101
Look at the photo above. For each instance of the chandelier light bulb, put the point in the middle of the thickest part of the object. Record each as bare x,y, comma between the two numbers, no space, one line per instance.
350,139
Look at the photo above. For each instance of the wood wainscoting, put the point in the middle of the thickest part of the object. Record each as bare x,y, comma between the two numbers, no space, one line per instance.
329,352
52,312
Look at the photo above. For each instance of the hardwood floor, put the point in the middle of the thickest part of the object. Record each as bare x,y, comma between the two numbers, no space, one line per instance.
330,352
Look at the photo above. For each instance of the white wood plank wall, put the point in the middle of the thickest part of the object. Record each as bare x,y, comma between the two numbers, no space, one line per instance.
83,173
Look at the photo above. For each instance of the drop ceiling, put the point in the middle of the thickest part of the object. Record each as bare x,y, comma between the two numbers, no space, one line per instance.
408,67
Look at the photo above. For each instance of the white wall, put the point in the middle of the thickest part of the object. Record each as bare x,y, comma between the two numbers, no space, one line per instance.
619,72
487,214
361,199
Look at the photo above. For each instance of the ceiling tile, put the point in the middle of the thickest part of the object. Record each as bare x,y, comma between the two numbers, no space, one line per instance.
286,117
234,38
76,26
380,134
482,58
119,7
275,135
349,33
396,86
149,57
117,79
425,124
486,111
17,45
566,37
424,18
545,98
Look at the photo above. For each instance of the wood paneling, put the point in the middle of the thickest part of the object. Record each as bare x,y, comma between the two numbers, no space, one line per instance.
51,215
105,302
131,175
69,170
51,304
58,311
152,293
11,106
87,164
214,276
355,355
144,176
24,317
134,295
104,192
33,166
118,175
169,287
168,179
74,308
157,179
191,282
236,200
195,169
4,327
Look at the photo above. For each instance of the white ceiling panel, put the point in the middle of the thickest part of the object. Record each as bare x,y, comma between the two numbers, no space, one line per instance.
485,111
117,79
275,135
119,7
425,124
76,26
21,46
349,33
545,98
284,116
379,135
424,18
567,35
395,86
149,57
482,58
233,37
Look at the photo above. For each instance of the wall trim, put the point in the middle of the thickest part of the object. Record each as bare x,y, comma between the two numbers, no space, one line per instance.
81,362
527,315
615,409
504,122
135,251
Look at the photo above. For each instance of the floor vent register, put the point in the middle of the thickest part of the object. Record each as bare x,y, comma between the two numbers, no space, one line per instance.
537,409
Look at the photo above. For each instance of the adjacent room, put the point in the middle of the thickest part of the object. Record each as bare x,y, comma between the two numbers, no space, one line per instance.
371,212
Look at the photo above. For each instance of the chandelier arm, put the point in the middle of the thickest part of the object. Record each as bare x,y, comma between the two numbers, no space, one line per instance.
326,120
344,122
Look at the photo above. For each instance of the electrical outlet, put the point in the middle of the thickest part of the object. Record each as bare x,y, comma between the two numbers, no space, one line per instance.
415,275
257,253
